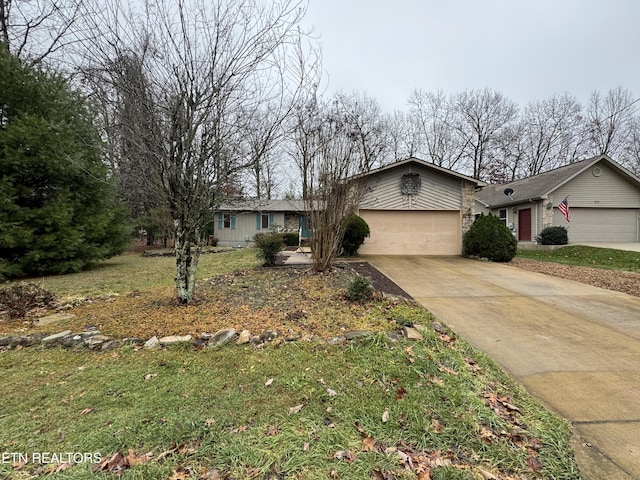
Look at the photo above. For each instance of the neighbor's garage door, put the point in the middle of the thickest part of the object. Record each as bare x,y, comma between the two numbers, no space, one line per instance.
600,224
399,232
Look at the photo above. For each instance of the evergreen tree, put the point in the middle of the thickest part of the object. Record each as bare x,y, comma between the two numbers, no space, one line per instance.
58,209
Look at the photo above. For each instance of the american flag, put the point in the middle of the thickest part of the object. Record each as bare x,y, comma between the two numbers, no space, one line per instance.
564,209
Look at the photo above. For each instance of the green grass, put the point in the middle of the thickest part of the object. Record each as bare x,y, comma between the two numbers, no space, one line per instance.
607,258
130,272
219,404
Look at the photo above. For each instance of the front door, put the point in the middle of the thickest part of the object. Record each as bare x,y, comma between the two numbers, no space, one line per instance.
524,225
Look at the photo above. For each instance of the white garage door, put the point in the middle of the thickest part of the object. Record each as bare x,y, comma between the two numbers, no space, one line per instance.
400,232
600,224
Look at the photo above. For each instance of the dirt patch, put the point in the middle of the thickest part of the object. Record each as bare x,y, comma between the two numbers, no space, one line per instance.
625,282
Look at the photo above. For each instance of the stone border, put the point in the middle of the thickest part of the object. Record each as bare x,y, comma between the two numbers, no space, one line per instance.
93,340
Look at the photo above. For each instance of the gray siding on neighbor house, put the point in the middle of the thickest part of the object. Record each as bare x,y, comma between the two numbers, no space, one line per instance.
606,190
438,191
244,228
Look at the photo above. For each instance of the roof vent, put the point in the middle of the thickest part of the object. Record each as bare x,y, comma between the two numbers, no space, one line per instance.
509,192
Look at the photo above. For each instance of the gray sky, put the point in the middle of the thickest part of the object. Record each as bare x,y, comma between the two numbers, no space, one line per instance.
525,49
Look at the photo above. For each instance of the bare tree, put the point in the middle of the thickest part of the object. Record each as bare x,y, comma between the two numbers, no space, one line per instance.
34,30
433,115
552,134
368,126
481,116
403,137
200,63
609,121
336,157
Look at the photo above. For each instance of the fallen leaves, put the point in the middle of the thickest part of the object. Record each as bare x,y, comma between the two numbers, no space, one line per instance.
116,463
296,409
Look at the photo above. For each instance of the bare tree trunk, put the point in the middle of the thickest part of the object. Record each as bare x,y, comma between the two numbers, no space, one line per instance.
187,257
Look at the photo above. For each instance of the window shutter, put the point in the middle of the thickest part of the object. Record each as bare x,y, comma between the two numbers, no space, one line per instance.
258,222
233,222
220,225
271,220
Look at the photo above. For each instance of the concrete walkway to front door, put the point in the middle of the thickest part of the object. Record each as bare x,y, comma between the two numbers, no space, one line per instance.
573,346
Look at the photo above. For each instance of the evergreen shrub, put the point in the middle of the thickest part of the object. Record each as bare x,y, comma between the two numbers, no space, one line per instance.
489,238
553,236
269,245
356,231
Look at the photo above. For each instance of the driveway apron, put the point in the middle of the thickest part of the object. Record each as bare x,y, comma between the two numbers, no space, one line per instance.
573,346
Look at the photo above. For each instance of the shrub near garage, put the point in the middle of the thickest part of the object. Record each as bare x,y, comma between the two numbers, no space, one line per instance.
553,236
489,238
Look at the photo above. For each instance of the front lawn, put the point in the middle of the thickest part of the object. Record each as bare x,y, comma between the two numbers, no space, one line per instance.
374,407
607,258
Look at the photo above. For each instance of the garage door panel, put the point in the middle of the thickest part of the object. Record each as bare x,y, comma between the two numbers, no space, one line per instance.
600,224
400,232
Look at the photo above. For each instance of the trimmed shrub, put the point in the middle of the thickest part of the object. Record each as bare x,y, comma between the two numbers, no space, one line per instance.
359,289
290,239
269,245
553,236
19,299
355,232
489,238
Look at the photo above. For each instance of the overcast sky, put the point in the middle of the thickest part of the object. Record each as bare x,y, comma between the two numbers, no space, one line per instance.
525,49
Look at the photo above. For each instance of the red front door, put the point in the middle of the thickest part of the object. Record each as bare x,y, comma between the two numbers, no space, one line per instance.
524,225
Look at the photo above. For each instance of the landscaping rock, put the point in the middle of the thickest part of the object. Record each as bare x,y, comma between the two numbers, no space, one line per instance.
438,327
56,336
56,317
356,334
206,336
133,341
174,339
412,333
244,337
394,337
96,341
110,345
222,337
268,336
152,344
336,340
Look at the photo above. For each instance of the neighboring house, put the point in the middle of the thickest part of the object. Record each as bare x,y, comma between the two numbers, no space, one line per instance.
603,199
414,207
237,223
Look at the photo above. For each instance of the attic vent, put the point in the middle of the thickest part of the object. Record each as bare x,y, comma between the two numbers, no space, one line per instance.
597,171
410,184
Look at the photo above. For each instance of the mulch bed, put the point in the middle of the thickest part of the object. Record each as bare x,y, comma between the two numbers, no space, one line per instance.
379,281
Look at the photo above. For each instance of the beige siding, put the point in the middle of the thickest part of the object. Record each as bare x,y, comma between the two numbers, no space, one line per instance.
608,189
396,232
438,191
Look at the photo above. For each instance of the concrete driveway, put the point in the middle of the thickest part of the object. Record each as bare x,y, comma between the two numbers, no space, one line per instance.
573,346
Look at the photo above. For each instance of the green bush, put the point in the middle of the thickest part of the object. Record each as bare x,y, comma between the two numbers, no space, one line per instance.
359,289
489,238
269,245
290,239
355,232
553,236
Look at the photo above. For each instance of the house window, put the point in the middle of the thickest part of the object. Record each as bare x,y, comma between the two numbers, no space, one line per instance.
503,215
226,221
264,221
